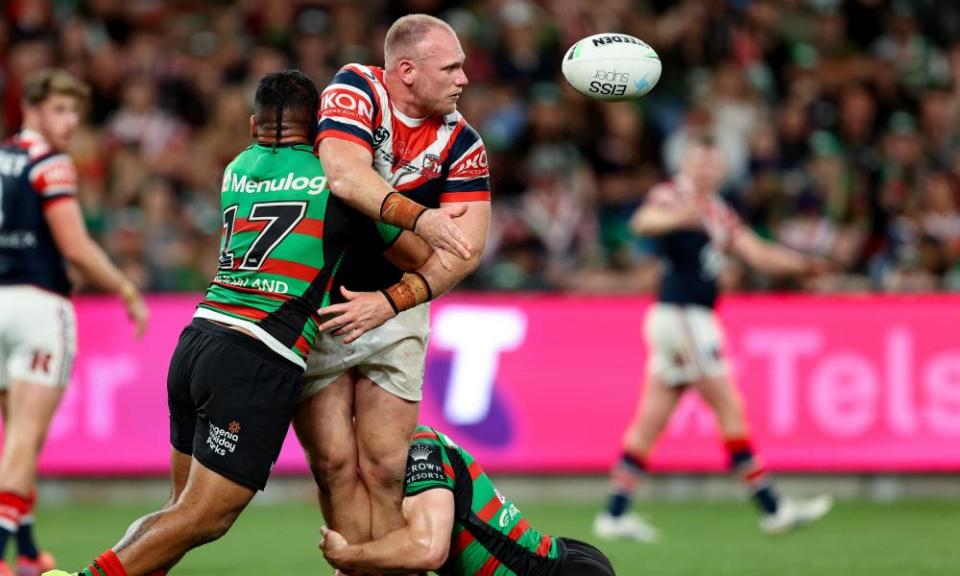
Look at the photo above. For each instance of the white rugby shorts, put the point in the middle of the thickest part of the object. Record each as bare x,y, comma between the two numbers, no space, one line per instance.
684,344
391,355
38,336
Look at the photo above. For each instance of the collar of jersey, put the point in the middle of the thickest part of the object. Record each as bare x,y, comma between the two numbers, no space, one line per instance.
287,145
409,121
28,135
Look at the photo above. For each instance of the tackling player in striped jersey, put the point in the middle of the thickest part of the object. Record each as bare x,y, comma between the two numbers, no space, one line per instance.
394,129
41,230
235,376
694,231
458,524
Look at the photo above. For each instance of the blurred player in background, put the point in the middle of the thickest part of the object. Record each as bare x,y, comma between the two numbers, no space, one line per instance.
456,523
41,231
693,230
397,131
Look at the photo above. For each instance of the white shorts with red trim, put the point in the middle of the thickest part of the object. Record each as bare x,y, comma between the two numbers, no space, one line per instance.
391,355
684,344
38,337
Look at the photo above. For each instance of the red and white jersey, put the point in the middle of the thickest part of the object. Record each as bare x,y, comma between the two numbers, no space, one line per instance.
431,160
720,222
693,257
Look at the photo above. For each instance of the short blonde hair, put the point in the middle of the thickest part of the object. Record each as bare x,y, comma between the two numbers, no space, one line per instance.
48,82
405,33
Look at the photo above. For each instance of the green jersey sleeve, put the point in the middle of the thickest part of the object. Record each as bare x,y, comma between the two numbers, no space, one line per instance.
388,234
428,466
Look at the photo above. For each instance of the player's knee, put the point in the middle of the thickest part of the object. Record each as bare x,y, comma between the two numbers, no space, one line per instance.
333,467
207,527
384,471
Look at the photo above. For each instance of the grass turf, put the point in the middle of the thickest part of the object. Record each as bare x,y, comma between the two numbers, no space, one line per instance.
857,539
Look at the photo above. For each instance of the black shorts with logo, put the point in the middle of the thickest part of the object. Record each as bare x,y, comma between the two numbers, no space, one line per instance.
231,400
582,559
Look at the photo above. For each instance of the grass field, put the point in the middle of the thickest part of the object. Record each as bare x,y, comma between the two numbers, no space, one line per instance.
857,539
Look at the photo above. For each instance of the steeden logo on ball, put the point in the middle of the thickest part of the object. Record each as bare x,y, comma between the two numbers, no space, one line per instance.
612,66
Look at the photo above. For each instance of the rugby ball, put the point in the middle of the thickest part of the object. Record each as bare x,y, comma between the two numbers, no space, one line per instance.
612,66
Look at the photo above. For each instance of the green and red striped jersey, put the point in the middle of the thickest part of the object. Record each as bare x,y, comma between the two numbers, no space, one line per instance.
283,239
490,535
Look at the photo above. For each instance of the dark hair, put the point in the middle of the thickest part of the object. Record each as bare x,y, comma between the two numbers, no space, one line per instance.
48,82
286,98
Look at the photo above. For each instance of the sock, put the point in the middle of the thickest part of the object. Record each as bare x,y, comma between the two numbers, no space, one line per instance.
623,482
754,474
106,564
12,508
26,545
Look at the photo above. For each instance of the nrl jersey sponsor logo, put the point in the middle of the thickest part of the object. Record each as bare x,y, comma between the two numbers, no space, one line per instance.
244,184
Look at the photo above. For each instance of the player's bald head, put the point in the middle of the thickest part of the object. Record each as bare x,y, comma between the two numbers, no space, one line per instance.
407,35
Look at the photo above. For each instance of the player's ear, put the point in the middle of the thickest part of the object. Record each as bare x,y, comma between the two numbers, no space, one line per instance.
253,126
407,70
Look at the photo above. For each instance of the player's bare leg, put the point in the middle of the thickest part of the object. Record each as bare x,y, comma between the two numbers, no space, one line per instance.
206,509
179,473
657,405
654,412
324,425
29,409
384,426
777,514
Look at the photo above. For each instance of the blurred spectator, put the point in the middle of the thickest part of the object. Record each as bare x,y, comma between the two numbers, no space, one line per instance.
839,119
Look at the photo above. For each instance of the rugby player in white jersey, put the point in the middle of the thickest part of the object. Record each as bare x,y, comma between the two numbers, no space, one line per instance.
693,232
394,131
41,231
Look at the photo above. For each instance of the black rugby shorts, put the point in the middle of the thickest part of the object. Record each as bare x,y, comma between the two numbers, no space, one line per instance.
231,400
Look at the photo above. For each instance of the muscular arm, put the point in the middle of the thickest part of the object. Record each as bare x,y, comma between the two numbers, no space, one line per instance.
422,545
349,168
363,312
351,177
475,224
655,220
76,246
770,257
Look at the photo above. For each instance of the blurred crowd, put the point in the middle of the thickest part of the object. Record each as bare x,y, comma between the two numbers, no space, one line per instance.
839,119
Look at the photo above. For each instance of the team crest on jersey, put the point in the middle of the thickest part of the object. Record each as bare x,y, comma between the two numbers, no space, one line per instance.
431,166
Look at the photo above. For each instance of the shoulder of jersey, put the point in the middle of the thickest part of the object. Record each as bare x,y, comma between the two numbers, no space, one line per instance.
375,74
371,74
35,148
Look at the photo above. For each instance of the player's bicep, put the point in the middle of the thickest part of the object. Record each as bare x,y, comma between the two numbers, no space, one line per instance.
341,156
430,516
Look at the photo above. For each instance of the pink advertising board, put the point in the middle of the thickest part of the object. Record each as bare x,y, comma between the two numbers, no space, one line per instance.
534,383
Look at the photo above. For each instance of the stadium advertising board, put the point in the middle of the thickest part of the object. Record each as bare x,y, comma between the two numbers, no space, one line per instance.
547,384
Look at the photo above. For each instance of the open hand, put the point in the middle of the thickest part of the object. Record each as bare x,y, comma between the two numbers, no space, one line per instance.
362,312
136,308
437,227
